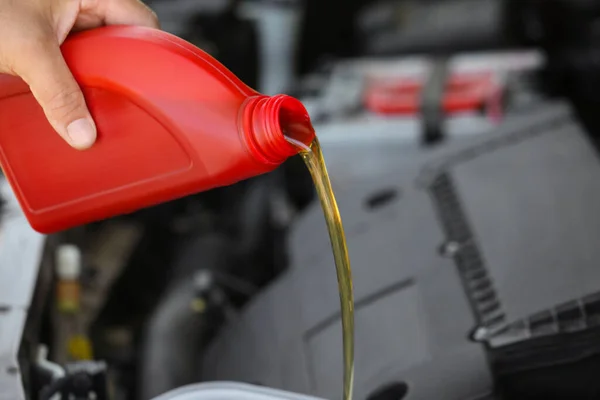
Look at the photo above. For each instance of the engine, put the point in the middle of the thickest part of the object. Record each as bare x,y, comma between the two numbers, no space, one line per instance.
463,152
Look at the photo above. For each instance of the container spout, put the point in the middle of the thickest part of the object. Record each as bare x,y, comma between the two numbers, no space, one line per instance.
275,128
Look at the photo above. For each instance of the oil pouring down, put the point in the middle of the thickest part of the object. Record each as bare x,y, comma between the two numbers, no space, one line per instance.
313,158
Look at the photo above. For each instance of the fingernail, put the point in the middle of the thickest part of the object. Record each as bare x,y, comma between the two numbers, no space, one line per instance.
82,133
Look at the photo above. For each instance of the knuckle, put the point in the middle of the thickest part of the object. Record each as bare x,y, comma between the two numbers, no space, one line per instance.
24,51
64,104
151,17
154,18
32,43
87,5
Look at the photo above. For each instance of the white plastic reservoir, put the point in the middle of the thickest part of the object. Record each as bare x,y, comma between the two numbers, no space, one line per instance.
230,391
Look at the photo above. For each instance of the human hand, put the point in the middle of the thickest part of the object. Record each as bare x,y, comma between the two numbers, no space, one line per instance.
31,32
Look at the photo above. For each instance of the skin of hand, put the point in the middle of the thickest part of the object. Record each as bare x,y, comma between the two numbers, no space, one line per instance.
31,32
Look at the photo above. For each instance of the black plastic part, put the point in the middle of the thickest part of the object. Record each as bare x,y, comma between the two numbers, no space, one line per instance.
567,32
83,381
392,391
230,39
432,97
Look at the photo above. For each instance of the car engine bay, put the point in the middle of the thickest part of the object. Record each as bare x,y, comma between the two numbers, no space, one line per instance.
461,138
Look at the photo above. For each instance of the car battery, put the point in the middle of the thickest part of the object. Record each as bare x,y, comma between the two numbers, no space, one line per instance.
368,113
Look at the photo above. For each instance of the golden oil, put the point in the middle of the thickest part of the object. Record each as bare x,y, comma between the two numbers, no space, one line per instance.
313,158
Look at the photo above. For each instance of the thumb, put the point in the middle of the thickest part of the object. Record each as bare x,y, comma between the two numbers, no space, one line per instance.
42,67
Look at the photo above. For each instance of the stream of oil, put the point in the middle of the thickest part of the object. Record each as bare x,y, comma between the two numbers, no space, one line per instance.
313,158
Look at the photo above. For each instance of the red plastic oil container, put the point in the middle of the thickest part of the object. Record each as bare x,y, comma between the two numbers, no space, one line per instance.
171,122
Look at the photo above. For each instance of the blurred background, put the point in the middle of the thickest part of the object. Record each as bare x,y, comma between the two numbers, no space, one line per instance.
461,138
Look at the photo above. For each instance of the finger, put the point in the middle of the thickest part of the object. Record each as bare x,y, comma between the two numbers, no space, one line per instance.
129,12
42,67
85,22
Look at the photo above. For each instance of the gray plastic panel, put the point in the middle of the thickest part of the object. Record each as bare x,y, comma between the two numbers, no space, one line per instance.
290,337
544,190
414,314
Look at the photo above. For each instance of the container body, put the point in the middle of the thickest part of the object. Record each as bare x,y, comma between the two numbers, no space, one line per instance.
168,118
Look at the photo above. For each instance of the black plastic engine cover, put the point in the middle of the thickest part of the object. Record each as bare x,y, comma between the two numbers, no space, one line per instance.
474,269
